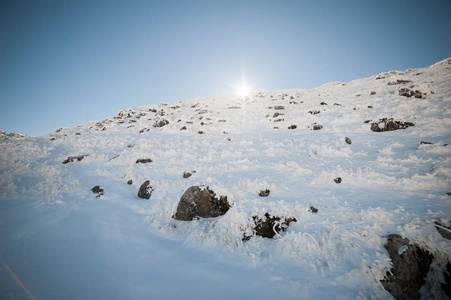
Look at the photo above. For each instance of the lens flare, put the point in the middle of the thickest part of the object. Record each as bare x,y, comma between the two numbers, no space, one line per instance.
18,281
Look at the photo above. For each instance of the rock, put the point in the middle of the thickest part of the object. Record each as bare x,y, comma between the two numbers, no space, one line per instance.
160,123
97,190
292,127
130,182
197,202
187,174
71,159
348,141
323,103
405,92
143,161
444,229
183,128
373,93
269,225
447,285
425,143
410,264
200,132
314,112
145,191
277,114
389,125
399,81
317,127
313,209
337,180
279,107
264,193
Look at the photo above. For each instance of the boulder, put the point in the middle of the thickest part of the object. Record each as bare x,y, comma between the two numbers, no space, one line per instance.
338,180
145,191
313,209
200,202
444,229
410,264
348,141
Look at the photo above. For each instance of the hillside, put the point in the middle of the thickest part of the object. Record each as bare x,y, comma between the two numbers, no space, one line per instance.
338,183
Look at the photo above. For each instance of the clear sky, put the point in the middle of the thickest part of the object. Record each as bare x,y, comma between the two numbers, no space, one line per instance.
64,63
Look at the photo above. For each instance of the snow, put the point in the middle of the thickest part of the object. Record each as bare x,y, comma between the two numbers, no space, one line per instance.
64,243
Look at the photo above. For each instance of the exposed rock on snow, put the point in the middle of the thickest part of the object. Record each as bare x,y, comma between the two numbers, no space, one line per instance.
71,159
389,125
444,229
188,174
97,190
197,202
143,161
313,209
409,268
264,193
161,123
268,225
405,92
145,191
348,141
338,180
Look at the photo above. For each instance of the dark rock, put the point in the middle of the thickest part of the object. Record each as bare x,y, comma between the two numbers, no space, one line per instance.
143,161
130,182
292,127
348,141
145,191
389,125
313,209
71,159
269,225
264,193
425,143
197,202
323,103
337,180
367,121
405,92
443,229
161,123
183,128
447,285
314,112
277,114
373,93
399,81
279,107
317,127
52,139
187,174
370,106
97,190
410,264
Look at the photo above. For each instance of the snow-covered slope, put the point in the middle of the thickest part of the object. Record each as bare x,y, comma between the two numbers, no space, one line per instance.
62,242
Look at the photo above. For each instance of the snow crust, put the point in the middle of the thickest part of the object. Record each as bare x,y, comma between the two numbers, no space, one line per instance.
64,243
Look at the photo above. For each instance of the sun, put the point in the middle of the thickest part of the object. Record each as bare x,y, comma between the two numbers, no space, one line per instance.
243,90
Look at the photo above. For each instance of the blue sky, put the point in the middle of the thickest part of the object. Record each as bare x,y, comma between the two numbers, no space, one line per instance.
64,63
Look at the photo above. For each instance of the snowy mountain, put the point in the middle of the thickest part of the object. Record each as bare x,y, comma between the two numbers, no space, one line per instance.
351,180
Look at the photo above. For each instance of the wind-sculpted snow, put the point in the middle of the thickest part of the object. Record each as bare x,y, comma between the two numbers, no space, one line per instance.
393,182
